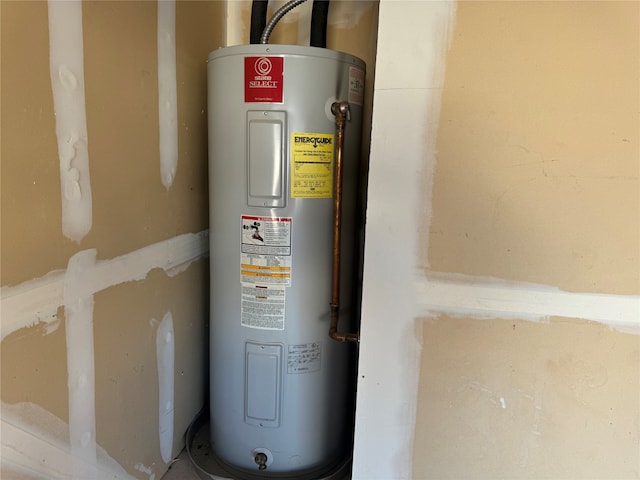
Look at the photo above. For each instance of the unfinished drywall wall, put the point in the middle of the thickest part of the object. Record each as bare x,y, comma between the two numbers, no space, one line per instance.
536,180
503,192
537,171
513,399
104,271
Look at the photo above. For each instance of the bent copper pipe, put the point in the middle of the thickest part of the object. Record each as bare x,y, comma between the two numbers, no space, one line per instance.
340,110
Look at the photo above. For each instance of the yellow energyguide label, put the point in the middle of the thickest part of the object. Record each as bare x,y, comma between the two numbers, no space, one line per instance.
311,165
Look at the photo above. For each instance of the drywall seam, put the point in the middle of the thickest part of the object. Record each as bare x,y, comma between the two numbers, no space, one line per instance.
234,25
167,91
165,347
35,444
490,297
66,67
78,309
24,452
30,303
37,300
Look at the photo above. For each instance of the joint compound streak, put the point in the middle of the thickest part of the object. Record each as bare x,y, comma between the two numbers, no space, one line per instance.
36,301
165,347
167,91
487,297
78,303
35,445
66,67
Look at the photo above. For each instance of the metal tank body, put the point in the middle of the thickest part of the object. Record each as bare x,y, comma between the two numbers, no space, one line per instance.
280,400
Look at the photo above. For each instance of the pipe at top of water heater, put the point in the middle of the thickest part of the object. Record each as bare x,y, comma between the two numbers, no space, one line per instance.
282,11
341,111
258,20
319,17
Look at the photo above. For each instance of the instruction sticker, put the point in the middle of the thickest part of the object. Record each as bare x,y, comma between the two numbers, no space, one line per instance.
263,79
356,85
311,165
263,307
304,358
265,253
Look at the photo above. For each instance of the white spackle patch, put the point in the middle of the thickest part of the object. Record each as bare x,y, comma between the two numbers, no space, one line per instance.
347,13
165,346
35,444
51,327
167,91
78,308
141,467
66,67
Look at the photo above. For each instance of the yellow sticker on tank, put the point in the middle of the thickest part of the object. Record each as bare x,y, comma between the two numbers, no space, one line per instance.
311,165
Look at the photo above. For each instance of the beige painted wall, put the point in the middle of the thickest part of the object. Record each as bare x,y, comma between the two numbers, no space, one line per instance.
536,180
132,210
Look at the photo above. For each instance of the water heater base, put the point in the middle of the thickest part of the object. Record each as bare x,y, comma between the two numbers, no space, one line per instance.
208,467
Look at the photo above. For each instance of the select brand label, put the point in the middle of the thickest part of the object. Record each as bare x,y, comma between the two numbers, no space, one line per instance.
263,79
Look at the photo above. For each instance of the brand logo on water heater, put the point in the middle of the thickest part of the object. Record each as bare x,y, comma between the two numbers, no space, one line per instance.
263,79
263,66
313,140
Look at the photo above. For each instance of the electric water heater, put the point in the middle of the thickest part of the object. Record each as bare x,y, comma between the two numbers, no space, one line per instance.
280,401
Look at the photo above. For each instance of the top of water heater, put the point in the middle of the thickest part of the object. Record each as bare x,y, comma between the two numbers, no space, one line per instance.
288,50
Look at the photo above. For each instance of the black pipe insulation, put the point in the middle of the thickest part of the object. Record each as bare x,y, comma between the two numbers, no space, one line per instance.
258,20
319,17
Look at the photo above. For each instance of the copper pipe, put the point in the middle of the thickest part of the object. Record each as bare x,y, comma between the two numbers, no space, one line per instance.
340,110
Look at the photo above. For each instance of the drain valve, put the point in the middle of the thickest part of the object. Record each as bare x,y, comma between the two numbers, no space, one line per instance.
261,459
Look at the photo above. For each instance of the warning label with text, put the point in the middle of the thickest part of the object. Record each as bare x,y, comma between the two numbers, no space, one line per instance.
265,253
311,165
263,307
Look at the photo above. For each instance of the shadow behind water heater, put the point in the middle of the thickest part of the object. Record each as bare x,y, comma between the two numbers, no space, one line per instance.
280,401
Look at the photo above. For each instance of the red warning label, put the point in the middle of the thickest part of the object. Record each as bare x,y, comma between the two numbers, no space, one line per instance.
263,79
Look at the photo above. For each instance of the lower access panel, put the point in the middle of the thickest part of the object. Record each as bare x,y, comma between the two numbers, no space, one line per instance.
263,384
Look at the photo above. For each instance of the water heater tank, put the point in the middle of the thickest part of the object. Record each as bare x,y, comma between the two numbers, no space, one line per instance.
280,401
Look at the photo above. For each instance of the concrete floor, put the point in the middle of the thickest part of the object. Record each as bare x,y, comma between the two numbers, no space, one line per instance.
181,469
